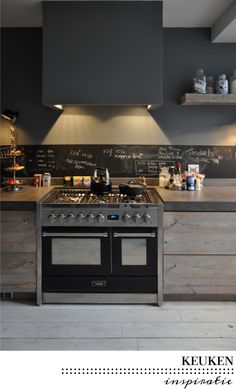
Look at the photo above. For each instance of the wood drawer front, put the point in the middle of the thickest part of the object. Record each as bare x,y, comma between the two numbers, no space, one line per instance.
200,274
18,272
18,283
18,232
19,247
18,251
18,263
18,217
200,233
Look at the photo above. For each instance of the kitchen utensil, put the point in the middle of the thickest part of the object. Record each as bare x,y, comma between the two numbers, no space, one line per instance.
131,190
100,182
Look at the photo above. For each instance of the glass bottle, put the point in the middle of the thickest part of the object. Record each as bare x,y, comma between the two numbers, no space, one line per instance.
233,83
199,81
222,85
178,168
210,85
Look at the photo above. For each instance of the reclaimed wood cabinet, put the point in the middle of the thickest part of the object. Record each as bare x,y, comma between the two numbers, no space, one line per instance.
18,251
200,253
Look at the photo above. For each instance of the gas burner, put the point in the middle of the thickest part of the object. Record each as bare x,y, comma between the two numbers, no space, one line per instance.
77,196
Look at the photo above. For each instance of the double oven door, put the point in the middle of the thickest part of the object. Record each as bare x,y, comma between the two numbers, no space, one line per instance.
106,260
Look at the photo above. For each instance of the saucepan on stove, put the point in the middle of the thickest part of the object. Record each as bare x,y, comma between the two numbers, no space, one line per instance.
132,189
100,182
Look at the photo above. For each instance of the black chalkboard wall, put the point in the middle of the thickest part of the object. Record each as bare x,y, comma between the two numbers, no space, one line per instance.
122,160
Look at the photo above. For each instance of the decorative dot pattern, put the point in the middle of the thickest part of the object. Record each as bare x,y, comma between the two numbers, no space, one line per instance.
145,370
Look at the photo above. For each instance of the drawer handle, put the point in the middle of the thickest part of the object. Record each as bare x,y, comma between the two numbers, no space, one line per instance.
99,283
76,234
134,235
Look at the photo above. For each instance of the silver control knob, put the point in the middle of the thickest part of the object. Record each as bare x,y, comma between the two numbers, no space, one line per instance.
80,218
147,218
52,217
126,218
136,218
70,218
100,218
61,217
90,218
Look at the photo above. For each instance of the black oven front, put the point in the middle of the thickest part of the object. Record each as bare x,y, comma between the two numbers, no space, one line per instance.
99,260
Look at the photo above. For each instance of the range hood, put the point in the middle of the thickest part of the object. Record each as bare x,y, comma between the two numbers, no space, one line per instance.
102,53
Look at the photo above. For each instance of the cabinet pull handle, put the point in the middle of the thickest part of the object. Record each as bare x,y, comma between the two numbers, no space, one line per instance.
134,235
76,234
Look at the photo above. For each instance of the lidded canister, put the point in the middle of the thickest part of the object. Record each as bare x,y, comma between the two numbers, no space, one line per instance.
222,85
46,179
191,183
67,181
37,180
199,81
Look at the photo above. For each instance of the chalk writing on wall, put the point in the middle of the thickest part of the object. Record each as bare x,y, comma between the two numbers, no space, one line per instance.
125,160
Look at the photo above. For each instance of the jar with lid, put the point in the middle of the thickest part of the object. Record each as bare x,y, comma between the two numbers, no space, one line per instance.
233,83
47,179
199,81
191,183
222,85
37,180
164,177
67,181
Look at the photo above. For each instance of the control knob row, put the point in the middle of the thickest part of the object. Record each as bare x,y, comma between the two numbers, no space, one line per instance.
61,218
90,218
136,218
100,218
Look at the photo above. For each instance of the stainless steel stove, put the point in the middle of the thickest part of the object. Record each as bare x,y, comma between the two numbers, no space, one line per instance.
71,207
100,248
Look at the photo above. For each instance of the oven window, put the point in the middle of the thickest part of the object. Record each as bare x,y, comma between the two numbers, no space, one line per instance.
134,252
76,251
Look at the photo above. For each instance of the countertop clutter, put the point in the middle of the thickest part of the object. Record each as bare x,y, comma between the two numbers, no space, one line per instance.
212,198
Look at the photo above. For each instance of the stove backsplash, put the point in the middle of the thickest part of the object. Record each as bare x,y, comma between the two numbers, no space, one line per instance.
121,160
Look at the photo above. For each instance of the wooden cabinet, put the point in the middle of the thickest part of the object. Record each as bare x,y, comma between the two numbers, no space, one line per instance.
18,251
200,253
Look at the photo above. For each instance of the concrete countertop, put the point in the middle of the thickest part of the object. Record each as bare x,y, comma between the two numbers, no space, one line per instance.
212,198
24,199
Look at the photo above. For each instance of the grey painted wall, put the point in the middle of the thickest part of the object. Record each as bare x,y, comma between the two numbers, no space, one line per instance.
184,51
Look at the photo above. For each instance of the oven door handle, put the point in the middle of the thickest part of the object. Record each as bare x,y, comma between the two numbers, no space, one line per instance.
134,235
76,234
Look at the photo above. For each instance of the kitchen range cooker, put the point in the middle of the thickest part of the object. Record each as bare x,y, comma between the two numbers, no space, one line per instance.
100,248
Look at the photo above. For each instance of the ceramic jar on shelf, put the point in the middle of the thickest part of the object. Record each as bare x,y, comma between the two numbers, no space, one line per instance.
199,81
222,85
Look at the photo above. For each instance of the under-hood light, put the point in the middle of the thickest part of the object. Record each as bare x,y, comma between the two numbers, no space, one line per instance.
58,106
149,106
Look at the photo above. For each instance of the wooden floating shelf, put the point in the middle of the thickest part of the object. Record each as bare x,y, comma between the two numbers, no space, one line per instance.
207,99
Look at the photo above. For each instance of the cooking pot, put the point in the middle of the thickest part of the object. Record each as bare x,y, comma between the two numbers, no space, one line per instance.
100,182
131,190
